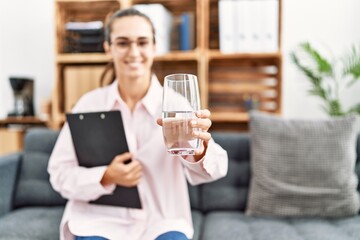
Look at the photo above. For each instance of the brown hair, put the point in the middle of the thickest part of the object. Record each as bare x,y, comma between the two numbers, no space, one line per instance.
109,69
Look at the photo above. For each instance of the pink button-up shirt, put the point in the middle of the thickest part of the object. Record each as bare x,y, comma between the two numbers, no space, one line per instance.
163,189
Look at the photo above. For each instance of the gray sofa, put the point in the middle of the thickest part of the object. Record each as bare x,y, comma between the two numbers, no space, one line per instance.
30,209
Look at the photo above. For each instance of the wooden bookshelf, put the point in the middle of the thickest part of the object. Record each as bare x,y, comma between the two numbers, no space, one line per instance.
225,80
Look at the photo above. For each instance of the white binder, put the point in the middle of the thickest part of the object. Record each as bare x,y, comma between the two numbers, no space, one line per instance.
271,26
227,28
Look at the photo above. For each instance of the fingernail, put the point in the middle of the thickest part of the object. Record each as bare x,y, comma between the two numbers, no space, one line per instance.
193,122
196,134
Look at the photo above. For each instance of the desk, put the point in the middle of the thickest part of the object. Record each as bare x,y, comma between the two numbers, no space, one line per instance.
22,121
12,131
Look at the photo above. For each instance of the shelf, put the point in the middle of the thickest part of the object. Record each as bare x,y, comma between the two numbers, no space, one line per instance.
179,56
74,2
176,7
217,116
215,54
79,11
22,120
85,1
82,58
231,88
26,121
164,2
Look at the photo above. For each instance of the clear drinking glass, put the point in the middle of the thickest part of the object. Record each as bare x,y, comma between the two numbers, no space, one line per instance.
180,102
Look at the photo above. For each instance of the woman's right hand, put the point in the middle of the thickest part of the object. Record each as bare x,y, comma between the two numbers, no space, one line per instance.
121,173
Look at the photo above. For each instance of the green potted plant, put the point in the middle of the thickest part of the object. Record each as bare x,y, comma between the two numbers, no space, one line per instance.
329,78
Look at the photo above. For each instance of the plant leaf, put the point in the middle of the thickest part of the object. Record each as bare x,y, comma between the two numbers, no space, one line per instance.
320,92
312,75
322,64
355,109
335,108
352,65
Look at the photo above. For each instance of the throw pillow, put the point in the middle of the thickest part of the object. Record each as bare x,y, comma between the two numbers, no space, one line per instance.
303,167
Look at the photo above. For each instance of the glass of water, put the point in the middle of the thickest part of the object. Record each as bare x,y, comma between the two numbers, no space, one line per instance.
180,103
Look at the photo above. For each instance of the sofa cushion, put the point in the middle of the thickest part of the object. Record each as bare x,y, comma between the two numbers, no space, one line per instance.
197,218
34,188
236,225
357,168
40,223
194,194
303,167
9,165
230,192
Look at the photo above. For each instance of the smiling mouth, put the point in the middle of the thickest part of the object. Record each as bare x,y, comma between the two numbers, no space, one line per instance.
134,64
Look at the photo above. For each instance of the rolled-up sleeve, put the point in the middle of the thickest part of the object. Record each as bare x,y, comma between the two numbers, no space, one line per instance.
68,178
212,166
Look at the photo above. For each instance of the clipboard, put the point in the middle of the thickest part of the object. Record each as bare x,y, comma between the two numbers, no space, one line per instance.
98,137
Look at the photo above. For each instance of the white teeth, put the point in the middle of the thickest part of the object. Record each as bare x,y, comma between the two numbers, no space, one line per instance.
134,64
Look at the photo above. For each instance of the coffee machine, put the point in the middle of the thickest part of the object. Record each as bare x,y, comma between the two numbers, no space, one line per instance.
23,90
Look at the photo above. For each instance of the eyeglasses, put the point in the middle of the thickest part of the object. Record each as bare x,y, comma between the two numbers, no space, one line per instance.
124,44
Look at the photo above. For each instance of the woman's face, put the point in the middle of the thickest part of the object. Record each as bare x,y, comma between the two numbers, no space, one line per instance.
132,47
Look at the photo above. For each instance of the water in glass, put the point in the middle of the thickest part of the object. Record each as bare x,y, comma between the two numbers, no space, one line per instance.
180,102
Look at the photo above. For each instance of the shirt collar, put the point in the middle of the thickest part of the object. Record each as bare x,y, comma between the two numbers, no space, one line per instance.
113,97
151,101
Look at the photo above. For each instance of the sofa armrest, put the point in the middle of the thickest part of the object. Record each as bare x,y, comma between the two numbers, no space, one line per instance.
8,174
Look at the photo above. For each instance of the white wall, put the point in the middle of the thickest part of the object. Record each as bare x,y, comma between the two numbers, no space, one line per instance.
27,46
332,26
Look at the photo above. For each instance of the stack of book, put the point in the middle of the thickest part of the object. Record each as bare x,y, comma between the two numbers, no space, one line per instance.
84,37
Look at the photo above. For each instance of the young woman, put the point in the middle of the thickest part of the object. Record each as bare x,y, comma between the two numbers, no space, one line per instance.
160,178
